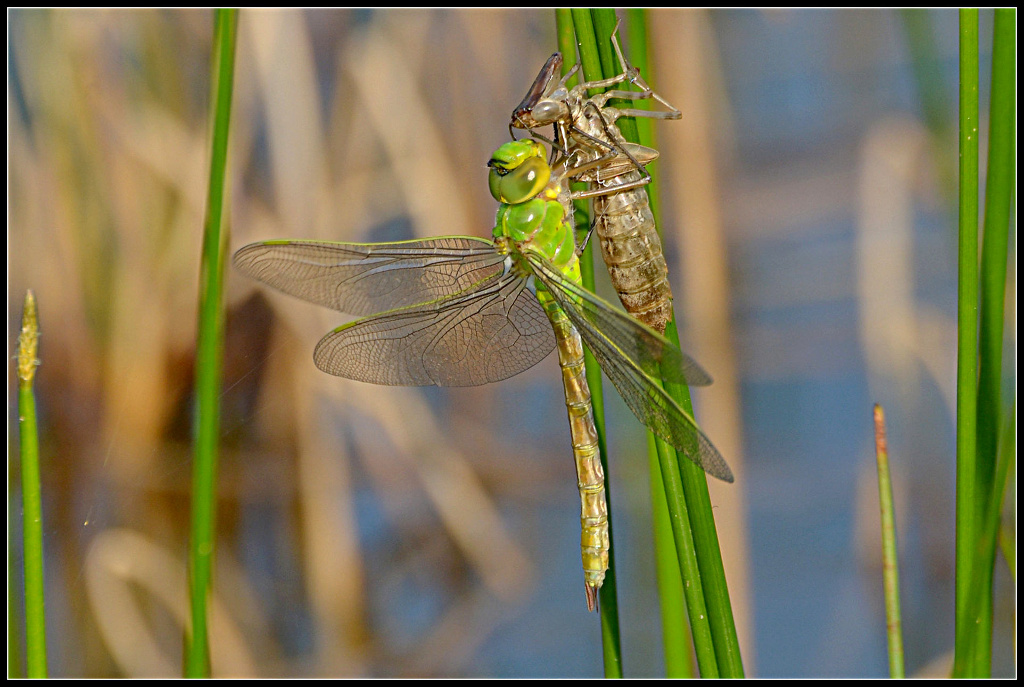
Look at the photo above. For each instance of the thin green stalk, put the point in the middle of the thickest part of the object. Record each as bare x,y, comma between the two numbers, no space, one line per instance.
694,481
890,560
999,186
607,596
639,56
585,40
210,347
709,554
31,494
979,635
605,21
689,565
967,342
676,638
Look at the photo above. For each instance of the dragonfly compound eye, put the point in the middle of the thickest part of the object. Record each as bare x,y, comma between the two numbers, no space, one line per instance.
520,183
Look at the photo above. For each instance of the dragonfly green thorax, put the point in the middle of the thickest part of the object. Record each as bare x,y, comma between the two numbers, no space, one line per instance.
531,216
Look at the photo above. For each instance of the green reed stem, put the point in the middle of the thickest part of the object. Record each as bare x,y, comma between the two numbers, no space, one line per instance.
890,559
718,648
999,187
676,638
967,343
586,43
978,634
702,522
210,347
31,494
687,557
709,555
1000,183
611,641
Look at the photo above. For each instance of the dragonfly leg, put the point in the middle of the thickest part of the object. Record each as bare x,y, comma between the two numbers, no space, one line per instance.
650,114
615,149
645,178
609,148
586,239
534,134
610,190
569,169
585,86
671,113
632,75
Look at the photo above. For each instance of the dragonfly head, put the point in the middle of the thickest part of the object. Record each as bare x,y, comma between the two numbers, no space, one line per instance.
519,171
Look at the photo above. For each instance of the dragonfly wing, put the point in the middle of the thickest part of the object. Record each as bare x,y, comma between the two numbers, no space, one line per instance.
477,337
367,278
649,350
614,352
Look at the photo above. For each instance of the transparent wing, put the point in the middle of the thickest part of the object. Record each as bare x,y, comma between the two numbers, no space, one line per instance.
367,278
627,351
484,335
649,350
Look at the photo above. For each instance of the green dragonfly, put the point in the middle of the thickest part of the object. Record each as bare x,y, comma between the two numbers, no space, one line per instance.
462,311
615,172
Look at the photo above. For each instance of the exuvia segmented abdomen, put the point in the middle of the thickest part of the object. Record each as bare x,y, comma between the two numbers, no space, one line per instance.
632,251
594,538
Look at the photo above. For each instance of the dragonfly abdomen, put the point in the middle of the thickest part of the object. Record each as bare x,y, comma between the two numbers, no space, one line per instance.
632,251
594,538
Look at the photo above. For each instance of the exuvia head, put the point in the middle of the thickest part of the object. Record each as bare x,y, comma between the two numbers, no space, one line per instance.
545,102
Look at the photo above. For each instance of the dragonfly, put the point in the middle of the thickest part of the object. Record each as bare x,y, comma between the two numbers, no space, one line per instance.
462,311
615,171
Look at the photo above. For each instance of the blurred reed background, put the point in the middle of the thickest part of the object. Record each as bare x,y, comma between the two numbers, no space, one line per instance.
809,211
